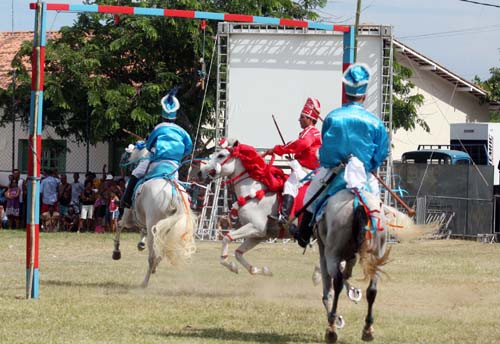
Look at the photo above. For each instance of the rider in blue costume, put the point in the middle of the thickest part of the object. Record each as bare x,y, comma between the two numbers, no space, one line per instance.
168,144
349,132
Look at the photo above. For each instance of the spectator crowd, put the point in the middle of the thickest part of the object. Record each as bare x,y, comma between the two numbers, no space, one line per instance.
91,205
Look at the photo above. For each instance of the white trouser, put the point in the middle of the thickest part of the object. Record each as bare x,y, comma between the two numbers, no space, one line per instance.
317,182
293,183
354,175
142,167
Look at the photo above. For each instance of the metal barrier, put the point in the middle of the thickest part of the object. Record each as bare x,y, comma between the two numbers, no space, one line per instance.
457,216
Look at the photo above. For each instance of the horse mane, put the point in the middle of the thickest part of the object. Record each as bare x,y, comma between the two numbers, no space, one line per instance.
271,176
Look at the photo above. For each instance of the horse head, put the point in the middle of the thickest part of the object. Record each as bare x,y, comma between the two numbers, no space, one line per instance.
222,163
137,152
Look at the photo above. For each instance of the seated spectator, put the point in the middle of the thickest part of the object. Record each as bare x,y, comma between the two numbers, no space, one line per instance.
87,198
50,220
13,204
70,220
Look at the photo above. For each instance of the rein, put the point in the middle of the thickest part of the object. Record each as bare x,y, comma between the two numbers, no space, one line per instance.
242,200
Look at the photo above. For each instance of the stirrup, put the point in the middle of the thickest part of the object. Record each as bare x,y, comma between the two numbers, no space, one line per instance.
278,218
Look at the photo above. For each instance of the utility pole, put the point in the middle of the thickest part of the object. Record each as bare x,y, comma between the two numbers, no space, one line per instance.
356,26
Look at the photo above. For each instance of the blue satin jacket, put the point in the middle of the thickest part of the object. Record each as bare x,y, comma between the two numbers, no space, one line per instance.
168,141
353,130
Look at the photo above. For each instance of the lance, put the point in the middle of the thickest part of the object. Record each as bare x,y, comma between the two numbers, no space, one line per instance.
281,135
133,134
411,212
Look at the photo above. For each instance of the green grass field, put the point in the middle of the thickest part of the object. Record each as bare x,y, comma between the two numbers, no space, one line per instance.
436,292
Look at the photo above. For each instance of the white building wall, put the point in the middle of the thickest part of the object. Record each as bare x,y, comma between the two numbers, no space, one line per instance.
76,157
442,106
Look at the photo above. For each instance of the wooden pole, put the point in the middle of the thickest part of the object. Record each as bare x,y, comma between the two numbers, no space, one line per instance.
409,210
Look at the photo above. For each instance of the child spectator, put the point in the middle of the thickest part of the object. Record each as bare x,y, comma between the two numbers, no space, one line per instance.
50,220
70,220
13,204
87,198
114,213
4,220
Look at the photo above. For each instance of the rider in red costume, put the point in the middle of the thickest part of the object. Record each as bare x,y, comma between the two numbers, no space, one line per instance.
305,150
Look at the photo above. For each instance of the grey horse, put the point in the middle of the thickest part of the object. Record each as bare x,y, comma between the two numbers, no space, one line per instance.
343,236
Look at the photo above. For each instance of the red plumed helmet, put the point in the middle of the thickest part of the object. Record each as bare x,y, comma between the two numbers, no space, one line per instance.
312,108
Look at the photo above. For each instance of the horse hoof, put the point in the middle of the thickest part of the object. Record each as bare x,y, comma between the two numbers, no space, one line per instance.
253,270
141,246
355,294
267,272
330,336
367,334
339,321
231,266
316,277
117,255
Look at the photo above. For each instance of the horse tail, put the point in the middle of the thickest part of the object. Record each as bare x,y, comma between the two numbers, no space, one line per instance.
359,221
173,237
403,227
371,262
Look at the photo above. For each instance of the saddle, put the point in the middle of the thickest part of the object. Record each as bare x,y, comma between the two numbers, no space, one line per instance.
164,171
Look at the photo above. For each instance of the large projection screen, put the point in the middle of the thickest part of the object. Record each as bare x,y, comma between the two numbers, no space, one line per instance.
275,73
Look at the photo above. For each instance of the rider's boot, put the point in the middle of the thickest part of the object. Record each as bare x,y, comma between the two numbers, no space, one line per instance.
303,232
126,201
286,208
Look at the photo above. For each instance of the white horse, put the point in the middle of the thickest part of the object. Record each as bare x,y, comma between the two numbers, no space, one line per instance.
161,211
252,215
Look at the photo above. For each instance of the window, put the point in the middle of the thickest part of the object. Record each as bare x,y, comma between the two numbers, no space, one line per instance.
53,155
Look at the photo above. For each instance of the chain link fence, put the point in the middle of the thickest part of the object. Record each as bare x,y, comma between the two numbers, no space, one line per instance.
64,154
459,197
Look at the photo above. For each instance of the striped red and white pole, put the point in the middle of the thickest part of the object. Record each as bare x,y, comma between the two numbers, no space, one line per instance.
35,153
167,12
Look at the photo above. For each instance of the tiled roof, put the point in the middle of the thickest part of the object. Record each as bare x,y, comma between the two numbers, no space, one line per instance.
10,43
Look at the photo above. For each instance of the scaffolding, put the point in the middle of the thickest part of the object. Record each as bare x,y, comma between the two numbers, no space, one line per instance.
217,197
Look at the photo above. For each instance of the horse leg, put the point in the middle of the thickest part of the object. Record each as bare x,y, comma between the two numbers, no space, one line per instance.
354,294
224,259
246,246
116,252
325,278
335,321
244,232
152,259
141,245
371,294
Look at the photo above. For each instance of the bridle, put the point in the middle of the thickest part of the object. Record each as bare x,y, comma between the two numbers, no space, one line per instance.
218,167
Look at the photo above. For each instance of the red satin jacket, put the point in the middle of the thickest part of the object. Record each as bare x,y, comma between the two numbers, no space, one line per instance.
305,147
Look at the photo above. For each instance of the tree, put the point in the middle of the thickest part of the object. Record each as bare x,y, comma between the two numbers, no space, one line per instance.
405,102
492,86
112,74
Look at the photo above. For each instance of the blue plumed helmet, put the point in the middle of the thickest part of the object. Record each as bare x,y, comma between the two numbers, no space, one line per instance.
356,79
170,104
